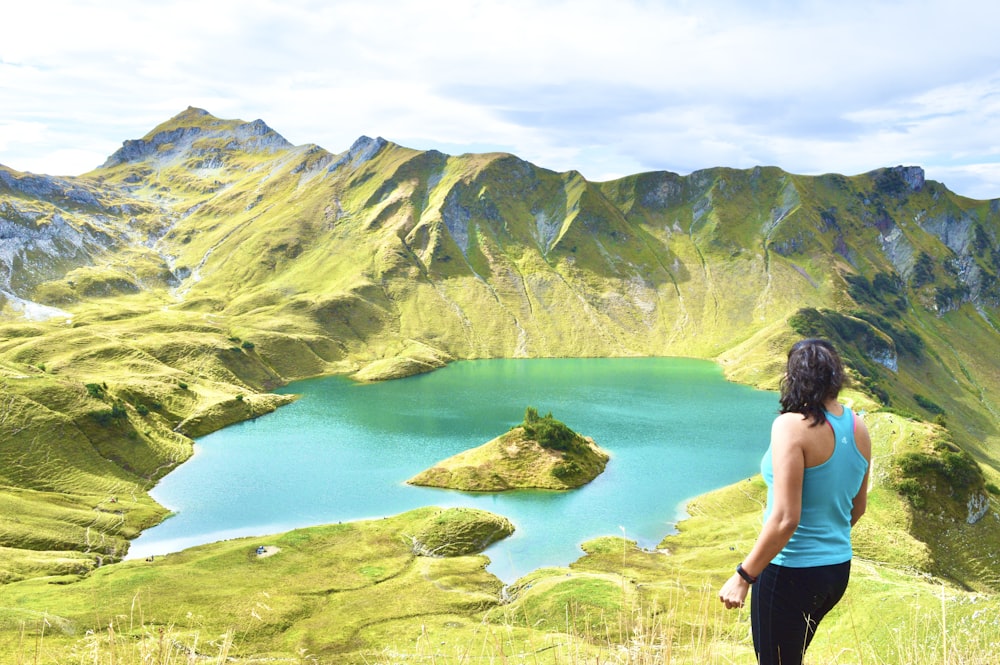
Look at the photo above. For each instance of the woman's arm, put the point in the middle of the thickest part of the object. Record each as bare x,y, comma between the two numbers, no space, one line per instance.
788,461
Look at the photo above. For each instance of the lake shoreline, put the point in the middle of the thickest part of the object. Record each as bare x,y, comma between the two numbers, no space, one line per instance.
598,396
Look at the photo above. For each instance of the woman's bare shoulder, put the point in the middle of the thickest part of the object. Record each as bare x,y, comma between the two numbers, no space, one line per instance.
790,428
791,420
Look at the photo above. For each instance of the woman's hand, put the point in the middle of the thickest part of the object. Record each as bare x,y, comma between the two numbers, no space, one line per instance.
734,592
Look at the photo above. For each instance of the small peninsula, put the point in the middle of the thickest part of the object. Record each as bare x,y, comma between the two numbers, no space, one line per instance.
540,453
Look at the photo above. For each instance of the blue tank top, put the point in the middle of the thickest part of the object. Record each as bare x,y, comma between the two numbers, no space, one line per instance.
823,536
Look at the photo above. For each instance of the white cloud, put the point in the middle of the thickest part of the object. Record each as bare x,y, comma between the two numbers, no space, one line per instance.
604,88
20,132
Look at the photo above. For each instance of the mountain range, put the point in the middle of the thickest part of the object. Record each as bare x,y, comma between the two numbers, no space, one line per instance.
162,295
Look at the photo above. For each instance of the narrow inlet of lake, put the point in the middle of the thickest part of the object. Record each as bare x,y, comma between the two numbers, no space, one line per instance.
675,428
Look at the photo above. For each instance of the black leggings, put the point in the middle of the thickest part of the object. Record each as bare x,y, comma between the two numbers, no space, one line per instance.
786,606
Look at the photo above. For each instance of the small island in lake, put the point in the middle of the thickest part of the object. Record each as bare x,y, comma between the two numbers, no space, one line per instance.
540,453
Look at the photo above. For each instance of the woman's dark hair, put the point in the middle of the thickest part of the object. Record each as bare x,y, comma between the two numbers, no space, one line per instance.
813,375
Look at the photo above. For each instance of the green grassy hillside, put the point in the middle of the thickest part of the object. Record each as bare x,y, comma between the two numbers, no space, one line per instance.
323,592
163,295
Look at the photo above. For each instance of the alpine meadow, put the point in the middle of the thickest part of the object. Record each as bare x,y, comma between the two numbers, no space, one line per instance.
165,294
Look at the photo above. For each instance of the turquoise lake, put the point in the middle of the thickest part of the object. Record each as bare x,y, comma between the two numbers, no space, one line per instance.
675,428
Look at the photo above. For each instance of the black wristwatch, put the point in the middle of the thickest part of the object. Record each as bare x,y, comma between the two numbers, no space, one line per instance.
747,577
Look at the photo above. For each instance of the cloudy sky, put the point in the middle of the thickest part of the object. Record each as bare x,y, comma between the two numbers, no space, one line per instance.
608,87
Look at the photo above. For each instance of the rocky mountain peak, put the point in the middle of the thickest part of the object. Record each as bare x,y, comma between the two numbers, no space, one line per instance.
899,180
196,132
363,149
912,175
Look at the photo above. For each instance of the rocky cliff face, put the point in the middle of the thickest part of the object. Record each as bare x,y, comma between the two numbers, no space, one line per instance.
979,507
48,226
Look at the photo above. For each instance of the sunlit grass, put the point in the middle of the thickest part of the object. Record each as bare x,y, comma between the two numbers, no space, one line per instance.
687,630
356,593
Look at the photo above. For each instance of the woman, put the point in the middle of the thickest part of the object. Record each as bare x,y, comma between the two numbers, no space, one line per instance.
816,470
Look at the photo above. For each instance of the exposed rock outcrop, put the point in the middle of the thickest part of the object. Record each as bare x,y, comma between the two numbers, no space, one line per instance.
979,505
362,150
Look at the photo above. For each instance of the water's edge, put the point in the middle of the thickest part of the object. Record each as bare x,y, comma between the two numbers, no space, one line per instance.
662,528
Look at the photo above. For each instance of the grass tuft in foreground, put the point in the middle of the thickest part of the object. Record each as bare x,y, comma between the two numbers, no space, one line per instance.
638,634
